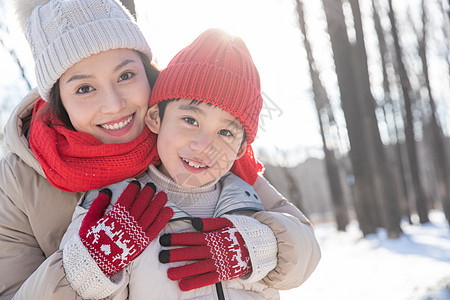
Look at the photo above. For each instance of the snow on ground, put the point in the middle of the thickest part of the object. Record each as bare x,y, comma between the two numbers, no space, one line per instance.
415,266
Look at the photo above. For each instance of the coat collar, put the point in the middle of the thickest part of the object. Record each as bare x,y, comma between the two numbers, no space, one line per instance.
15,141
236,195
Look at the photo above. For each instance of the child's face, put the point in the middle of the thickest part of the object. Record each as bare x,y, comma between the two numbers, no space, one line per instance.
197,143
106,95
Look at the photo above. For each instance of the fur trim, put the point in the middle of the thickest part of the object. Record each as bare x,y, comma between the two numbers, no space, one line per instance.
24,8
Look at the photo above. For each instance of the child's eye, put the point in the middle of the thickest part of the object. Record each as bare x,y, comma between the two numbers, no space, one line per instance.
126,76
190,121
84,89
225,132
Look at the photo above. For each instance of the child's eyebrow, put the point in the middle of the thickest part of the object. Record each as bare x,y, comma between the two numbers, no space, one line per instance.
190,107
235,123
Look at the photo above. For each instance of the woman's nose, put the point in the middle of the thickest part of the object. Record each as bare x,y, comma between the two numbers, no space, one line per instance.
113,101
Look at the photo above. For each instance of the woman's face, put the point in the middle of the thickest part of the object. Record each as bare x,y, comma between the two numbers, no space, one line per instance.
106,95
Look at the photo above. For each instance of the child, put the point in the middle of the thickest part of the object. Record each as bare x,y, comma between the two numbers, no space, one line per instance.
205,108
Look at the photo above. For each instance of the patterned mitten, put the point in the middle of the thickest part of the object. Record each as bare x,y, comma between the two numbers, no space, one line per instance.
220,249
115,239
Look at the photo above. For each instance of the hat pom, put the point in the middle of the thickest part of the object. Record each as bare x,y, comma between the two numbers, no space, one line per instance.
24,8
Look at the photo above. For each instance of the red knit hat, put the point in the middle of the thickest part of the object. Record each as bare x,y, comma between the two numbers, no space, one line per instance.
216,68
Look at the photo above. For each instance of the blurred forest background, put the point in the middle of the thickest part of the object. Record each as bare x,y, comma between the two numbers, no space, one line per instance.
385,154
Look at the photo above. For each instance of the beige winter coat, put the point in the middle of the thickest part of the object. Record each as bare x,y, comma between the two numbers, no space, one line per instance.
34,216
146,277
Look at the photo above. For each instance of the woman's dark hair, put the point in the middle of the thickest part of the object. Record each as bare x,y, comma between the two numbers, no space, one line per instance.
151,69
56,107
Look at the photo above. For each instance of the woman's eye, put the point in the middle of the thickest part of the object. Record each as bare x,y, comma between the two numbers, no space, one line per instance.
126,76
84,89
225,132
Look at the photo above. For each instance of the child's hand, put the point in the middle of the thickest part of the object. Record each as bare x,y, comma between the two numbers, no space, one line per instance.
115,239
219,247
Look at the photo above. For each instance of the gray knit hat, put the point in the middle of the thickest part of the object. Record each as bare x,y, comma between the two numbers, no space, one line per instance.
63,32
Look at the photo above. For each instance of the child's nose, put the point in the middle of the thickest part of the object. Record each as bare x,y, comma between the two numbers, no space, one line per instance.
201,142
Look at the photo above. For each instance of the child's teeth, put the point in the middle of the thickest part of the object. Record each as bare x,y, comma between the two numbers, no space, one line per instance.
193,164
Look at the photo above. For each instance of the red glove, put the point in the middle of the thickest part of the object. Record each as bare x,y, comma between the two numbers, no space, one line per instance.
117,238
220,249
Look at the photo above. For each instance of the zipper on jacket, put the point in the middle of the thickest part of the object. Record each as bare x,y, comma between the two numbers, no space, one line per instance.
219,290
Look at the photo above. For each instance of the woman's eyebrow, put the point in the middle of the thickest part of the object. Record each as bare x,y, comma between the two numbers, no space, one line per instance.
124,63
78,77
84,76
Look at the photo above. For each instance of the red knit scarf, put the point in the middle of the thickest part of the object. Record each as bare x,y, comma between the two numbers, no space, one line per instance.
77,162
248,167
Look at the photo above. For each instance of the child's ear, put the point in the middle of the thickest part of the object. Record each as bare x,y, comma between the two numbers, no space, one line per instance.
152,119
241,150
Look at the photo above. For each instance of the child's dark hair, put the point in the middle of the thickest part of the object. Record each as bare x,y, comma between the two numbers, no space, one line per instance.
55,104
163,104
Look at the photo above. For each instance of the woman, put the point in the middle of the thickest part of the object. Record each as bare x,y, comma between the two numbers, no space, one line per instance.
40,187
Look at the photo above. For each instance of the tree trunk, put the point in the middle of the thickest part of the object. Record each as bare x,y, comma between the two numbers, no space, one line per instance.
294,189
401,148
401,186
364,190
321,101
4,28
419,194
446,28
129,4
440,157
387,199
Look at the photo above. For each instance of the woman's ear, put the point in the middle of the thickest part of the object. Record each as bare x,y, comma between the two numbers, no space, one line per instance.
242,150
152,119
